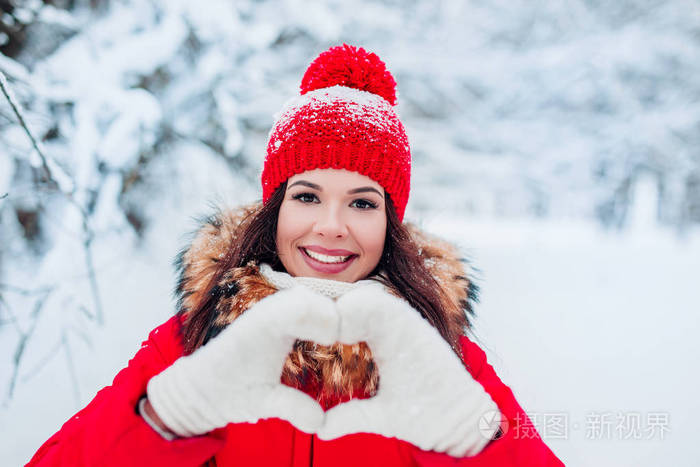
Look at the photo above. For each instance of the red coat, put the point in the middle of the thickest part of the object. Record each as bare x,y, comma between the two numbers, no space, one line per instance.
110,432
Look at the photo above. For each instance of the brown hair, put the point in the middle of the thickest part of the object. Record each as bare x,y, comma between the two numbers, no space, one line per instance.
401,268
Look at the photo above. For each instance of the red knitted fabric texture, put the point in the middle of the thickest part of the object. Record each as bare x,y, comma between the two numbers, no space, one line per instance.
342,128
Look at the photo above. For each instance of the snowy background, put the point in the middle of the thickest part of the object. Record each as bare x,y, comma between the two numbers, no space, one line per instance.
556,142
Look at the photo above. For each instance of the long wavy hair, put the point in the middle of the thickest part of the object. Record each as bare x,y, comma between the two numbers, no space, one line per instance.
400,268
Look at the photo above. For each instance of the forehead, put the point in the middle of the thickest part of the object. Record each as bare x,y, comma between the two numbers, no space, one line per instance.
334,177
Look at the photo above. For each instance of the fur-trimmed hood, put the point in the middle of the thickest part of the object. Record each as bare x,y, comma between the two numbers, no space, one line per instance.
331,374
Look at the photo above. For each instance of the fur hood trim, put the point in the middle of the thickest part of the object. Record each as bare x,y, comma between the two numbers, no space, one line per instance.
331,374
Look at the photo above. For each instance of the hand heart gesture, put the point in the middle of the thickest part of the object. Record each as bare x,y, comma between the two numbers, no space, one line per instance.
425,395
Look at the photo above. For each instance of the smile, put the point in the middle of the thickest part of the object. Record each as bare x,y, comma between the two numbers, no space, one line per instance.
327,264
326,258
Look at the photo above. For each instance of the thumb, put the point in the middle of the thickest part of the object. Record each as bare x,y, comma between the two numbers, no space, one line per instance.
294,406
355,416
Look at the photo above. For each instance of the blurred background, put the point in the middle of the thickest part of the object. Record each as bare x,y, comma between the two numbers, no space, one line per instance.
555,142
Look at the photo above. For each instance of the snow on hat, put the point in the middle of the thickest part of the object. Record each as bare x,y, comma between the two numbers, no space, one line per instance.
343,119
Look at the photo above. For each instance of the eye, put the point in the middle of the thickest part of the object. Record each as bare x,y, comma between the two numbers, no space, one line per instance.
304,197
364,204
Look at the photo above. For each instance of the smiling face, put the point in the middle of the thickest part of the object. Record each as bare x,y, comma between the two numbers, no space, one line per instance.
331,225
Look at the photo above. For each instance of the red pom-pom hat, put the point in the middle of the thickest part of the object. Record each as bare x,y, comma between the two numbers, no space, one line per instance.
343,119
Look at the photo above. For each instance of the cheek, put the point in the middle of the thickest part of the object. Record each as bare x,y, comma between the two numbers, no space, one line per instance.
372,236
283,229
290,226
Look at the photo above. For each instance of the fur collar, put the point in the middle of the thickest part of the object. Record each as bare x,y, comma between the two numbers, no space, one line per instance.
331,374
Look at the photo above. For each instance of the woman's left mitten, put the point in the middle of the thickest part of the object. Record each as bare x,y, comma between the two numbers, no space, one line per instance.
425,395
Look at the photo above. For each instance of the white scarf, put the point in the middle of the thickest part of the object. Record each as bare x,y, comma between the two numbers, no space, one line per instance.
327,287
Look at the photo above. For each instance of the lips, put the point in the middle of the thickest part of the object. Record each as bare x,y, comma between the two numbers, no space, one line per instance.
327,268
326,258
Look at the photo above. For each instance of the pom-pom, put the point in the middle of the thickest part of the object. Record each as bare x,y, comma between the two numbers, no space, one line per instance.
354,67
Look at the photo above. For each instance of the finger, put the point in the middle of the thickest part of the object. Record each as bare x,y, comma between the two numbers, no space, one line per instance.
362,314
276,322
388,324
250,347
298,312
315,317
355,416
294,406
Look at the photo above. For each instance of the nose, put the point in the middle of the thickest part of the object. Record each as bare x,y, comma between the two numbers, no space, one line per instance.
331,223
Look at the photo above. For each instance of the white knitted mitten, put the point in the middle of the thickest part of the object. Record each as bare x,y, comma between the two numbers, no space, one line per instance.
235,377
426,396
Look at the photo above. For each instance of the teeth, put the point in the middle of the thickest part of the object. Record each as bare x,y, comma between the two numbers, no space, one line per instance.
326,258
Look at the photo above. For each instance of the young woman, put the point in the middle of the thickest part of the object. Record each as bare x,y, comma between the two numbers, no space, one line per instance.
314,327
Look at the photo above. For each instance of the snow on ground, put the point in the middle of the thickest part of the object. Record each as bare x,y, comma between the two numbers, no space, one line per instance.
582,324
587,326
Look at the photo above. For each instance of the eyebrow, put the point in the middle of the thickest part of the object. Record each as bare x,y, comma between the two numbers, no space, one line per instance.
351,192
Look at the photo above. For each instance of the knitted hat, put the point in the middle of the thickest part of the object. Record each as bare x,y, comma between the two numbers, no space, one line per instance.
343,119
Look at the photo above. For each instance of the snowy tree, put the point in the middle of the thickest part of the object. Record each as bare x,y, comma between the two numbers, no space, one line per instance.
121,117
